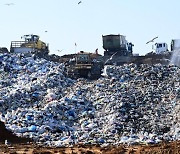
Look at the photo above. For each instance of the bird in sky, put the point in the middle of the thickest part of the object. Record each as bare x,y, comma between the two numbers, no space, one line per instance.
8,4
79,2
152,40
45,31
60,50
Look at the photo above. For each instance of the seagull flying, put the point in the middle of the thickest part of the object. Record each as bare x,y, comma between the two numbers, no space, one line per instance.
8,4
111,57
60,50
79,2
152,40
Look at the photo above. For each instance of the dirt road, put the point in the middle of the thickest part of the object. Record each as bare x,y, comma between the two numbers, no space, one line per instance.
169,148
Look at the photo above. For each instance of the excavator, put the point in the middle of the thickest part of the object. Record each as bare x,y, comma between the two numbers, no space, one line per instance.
31,43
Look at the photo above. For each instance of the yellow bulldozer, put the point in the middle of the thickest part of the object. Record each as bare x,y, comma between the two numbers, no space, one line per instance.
31,43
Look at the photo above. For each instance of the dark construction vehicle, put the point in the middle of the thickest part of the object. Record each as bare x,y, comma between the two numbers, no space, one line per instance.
116,44
84,64
117,49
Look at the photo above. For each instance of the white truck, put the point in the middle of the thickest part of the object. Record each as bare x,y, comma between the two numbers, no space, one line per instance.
160,48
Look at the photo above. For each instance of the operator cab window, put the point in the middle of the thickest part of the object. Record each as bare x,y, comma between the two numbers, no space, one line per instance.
159,45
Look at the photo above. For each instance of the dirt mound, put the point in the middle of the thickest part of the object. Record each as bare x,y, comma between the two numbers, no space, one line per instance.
163,148
8,135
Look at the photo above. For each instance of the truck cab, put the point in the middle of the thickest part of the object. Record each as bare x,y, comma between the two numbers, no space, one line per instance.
30,38
160,48
34,41
83,58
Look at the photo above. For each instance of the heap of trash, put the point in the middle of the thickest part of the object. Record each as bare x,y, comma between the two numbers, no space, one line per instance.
129,104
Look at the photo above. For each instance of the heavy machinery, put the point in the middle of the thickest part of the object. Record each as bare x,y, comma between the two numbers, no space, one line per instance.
117,44
31,43
117,49
160,48
83,65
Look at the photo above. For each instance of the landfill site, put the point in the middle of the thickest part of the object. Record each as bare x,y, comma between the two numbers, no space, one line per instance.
115,103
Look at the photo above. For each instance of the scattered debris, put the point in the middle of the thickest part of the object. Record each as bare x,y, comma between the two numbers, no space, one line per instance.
130,105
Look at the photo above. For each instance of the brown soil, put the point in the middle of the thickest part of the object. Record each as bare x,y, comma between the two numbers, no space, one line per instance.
21,146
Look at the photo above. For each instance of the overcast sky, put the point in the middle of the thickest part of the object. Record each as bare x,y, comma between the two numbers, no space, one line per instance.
68,23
